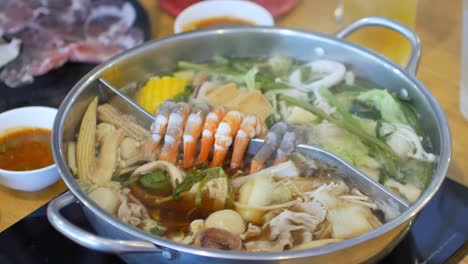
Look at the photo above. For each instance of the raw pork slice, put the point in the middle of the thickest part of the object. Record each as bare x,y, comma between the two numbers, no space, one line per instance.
65,30
42,51
15,14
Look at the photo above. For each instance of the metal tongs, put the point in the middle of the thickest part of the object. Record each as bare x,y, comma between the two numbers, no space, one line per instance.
391,204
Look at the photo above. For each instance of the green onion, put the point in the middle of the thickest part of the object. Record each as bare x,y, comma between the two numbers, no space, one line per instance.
157,181
210,174
156,231
191,178
246,76
348,123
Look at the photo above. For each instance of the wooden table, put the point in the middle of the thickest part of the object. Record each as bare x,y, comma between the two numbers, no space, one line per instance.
438,25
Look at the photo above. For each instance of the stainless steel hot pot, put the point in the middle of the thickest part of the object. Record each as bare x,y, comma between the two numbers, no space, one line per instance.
135,245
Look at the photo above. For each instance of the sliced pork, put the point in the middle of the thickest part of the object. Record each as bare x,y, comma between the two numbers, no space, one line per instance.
53,32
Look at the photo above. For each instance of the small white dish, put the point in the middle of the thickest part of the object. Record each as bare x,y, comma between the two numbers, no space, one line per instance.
32,116
240,9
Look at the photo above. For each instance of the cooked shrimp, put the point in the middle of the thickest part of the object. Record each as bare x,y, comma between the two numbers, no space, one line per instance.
291,139
251,127
271,143
285,148
262,129
175,129
193,129
158,128
227,129
209,129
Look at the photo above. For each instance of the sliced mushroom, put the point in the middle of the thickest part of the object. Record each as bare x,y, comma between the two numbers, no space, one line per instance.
102,130
107,160
106,198
217,238
133,152
129,148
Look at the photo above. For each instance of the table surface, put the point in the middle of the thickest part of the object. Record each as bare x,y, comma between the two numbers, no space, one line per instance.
438,24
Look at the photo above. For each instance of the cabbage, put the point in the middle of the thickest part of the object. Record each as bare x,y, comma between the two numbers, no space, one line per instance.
297,115
344,144
354,152
280,65
390,109
417,172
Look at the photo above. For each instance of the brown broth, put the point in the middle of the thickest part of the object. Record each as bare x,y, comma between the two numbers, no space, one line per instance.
217,22
26,149
174,214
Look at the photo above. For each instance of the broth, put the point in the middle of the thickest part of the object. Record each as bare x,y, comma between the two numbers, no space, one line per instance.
217,22
191,176
26,149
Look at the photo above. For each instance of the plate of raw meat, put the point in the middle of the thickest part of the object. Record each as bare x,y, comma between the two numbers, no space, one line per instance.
59,41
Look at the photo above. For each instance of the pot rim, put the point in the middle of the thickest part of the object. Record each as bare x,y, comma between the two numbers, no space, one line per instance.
439,174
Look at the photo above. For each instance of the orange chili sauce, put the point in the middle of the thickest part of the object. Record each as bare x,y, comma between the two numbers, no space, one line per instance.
217,22
26,149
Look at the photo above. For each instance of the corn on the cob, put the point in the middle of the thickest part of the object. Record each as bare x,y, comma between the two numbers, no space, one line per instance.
157,90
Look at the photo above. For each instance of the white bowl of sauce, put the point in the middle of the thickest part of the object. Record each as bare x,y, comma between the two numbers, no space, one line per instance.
26,160
216,13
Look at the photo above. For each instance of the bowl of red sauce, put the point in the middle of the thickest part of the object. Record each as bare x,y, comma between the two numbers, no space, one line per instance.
222,13
26,160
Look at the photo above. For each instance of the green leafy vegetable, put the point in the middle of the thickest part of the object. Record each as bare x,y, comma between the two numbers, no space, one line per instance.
352,125
271,120
389,168
417,172
364,110
358,86
157,230
280,65
411,116
157,181
184,96
390,108
306,72
347,122
352,150
231,74
128,181
192,177
378,132
266,81
249,78
383,176
209,174
221,60
309,76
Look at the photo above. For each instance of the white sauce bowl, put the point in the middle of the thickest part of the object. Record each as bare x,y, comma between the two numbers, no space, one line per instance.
32,116
240,9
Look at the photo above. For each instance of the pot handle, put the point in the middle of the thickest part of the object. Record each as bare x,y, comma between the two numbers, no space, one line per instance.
93,241
392,24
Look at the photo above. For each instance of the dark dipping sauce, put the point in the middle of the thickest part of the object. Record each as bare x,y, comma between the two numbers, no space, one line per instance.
217,22
26,149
